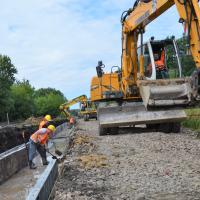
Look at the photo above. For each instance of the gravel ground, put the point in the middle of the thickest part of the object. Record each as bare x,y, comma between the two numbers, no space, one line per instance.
136,164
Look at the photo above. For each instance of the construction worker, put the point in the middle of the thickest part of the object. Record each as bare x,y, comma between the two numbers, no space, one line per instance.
161,69
45,121
38,142
71,122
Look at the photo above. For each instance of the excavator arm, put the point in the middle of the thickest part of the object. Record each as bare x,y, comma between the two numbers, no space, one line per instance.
65,107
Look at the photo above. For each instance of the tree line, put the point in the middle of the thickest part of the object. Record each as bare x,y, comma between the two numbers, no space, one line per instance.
21,100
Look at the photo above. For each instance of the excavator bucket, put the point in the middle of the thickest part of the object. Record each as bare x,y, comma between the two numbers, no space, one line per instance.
165,92
136,113
161,104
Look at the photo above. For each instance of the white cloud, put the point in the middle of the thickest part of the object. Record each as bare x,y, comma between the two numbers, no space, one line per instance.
57,43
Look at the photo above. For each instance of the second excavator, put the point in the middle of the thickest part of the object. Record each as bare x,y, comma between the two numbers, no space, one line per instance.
149,87
87,108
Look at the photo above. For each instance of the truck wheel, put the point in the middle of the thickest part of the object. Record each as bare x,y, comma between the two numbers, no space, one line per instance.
166,128
176,127
103,131
114,130
152,126
86,117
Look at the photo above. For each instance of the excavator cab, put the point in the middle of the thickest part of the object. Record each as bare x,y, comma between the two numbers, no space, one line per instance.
161,59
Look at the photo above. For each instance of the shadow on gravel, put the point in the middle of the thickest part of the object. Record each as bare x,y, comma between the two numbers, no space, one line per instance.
133,130
136,130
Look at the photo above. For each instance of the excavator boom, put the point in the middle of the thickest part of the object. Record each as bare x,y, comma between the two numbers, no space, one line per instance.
65,107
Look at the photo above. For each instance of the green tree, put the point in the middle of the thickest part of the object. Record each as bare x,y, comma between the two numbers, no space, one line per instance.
7,78
23,102
49,104
187,61
46,91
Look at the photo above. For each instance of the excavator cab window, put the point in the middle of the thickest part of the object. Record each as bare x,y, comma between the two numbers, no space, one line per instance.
172,62
161,59
83,106
166,59
147,60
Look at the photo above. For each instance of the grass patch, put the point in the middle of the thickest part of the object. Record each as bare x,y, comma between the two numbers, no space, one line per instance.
193,120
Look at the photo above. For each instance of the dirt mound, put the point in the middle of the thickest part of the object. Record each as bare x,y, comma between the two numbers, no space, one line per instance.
93,161
81,139
33,120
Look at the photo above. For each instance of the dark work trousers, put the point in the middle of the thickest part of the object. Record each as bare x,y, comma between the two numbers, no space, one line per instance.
33,147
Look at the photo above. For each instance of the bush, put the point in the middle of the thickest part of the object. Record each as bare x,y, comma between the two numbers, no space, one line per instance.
193,120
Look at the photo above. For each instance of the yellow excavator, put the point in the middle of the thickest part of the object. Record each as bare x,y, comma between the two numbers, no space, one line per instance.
149,87
87,108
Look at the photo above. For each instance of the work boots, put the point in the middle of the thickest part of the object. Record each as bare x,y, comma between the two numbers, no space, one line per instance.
32,165
44,161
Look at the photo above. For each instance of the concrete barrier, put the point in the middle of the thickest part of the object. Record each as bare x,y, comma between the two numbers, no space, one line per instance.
45,183
12,161
60,128
15,159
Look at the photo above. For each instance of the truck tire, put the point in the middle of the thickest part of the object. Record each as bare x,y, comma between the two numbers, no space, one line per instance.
176,127
166,128
86,117
114,130
152,126
102,131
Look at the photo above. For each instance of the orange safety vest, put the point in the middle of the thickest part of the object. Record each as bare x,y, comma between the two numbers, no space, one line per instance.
71,121
41,136
43,123
160,64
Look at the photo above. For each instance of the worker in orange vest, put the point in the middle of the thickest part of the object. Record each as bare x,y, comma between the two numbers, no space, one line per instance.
160,65
37,142
161,69
71,122
45,121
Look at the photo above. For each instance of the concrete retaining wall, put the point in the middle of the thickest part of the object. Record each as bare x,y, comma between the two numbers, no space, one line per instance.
15,159
60,128
45,183
12,161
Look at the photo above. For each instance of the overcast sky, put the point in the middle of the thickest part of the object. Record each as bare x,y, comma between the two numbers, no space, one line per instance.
57,43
